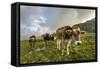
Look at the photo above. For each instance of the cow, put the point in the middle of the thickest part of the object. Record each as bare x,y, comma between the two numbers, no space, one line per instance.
32,41
46,37
64,36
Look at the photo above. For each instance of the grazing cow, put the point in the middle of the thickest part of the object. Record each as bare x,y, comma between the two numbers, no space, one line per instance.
46,37
76,34
64,36
32,40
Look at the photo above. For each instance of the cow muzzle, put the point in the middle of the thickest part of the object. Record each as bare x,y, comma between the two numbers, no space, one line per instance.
78,42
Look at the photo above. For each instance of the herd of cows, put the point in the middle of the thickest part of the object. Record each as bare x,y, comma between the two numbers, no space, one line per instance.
64,37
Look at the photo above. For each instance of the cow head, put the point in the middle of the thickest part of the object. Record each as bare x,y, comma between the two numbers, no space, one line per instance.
68,31
76,34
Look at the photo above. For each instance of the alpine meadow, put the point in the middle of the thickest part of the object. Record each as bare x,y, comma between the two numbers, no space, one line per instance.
40,54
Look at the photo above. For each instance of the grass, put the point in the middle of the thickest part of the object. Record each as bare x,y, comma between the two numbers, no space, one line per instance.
38,54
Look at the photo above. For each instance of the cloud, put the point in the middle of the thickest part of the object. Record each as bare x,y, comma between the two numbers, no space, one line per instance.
34,27
36,24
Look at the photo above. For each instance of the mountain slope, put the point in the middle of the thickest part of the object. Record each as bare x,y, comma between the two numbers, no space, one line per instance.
88,26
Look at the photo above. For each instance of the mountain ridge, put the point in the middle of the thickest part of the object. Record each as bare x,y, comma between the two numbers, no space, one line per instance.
88,26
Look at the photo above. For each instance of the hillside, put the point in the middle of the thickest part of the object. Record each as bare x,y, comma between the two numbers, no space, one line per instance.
88,26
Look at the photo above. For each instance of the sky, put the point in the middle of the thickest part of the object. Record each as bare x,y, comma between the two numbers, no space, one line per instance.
36,20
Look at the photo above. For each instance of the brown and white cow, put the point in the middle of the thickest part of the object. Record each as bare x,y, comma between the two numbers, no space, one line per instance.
32,40
64,36
67,35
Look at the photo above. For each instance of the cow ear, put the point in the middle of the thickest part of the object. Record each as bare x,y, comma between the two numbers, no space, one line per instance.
78,25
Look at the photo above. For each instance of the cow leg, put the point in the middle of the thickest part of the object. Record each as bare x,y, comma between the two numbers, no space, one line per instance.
30,43
62,47
33,44
68,45
57,44
46,44
30,46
